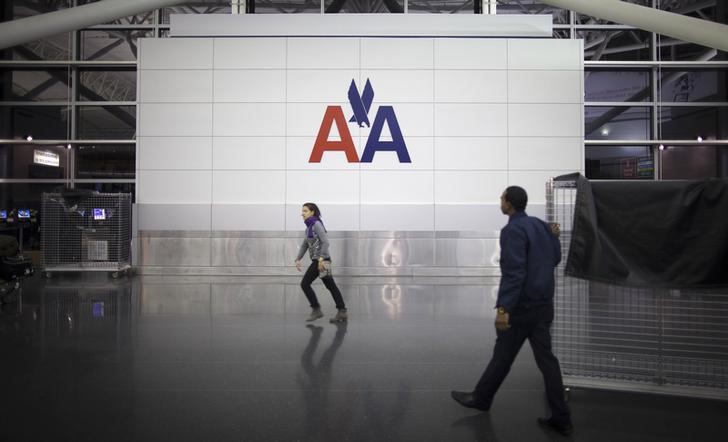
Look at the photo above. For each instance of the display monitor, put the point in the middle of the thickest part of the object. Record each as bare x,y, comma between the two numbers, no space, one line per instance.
23,213
99,214
3,214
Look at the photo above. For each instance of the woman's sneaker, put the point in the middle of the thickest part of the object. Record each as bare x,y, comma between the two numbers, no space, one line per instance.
315,314
341,316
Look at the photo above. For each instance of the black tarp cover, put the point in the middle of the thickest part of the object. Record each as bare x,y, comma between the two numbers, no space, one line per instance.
650,233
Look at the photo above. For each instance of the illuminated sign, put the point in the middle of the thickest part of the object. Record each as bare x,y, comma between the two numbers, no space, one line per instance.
46,158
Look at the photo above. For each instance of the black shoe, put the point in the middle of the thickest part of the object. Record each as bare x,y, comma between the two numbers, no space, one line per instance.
468,400
564,429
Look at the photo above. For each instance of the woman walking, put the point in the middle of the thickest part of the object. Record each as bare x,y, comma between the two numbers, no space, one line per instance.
317,244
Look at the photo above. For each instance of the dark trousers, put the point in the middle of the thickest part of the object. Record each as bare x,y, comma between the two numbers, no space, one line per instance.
311,274
533,324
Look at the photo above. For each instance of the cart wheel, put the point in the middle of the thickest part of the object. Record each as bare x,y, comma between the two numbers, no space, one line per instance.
48,274
114,275
567,394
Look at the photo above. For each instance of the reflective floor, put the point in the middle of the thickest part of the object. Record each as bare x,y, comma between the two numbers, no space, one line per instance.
231,359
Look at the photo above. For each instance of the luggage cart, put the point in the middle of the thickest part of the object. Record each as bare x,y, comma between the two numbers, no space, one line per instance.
86,231
666,341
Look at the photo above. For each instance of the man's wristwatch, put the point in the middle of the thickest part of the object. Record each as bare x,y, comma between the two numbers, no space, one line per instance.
502,311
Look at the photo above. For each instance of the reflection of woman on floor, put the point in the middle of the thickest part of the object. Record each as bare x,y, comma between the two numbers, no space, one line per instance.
316,383
317,244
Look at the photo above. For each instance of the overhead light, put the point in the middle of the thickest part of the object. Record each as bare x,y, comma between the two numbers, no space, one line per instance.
605,131
29,138
700,139
68,146
662,147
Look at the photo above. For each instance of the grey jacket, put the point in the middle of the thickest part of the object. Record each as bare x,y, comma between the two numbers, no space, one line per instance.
318,246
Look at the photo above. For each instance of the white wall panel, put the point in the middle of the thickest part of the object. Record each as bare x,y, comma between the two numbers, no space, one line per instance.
176,85
396,187
471,153
541,153
546,120
322,186
184,53
248,186
337,217
174,153
249,53
530,86
471,53
175,119
395,217
250,86
259,217
546,54
320,85
471,86
304,119
246,153
397,53
159,216
471,120
398,86
166,187
534,183
421,153
414,119
467,187
484,217
249,119
298,152
318,53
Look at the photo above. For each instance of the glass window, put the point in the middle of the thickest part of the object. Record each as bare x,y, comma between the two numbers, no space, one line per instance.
619,162
41,122
143,18
115,161
696,85
34,85
15,196
199,7
36,7
703,10
617,123
616,86
106,122
671,49
560,16
28,161
102,85
617,45
55,48
691,122
109,188
116,45
694,162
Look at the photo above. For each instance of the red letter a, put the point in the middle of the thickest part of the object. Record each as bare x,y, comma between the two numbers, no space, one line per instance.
333,114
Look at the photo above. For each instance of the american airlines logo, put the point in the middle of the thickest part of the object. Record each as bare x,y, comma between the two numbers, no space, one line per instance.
360,106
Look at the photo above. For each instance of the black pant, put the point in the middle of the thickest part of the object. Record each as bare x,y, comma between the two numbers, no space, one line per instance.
311,274
533,324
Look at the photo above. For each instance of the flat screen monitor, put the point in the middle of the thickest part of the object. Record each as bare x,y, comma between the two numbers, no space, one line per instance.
3,214
99,214
23,213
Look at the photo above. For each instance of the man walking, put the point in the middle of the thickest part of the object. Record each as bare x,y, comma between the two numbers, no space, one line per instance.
530,250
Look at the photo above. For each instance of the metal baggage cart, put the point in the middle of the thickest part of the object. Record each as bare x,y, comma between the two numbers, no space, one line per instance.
86,231
654,340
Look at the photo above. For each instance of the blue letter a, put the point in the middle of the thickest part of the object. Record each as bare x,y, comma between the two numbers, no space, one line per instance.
385,113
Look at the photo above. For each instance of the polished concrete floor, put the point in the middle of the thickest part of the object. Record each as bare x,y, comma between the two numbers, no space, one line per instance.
231,359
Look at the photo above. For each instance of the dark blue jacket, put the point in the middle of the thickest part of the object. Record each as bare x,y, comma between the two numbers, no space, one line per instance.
529,254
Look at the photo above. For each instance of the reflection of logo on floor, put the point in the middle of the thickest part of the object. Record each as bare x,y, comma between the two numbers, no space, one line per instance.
360,105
